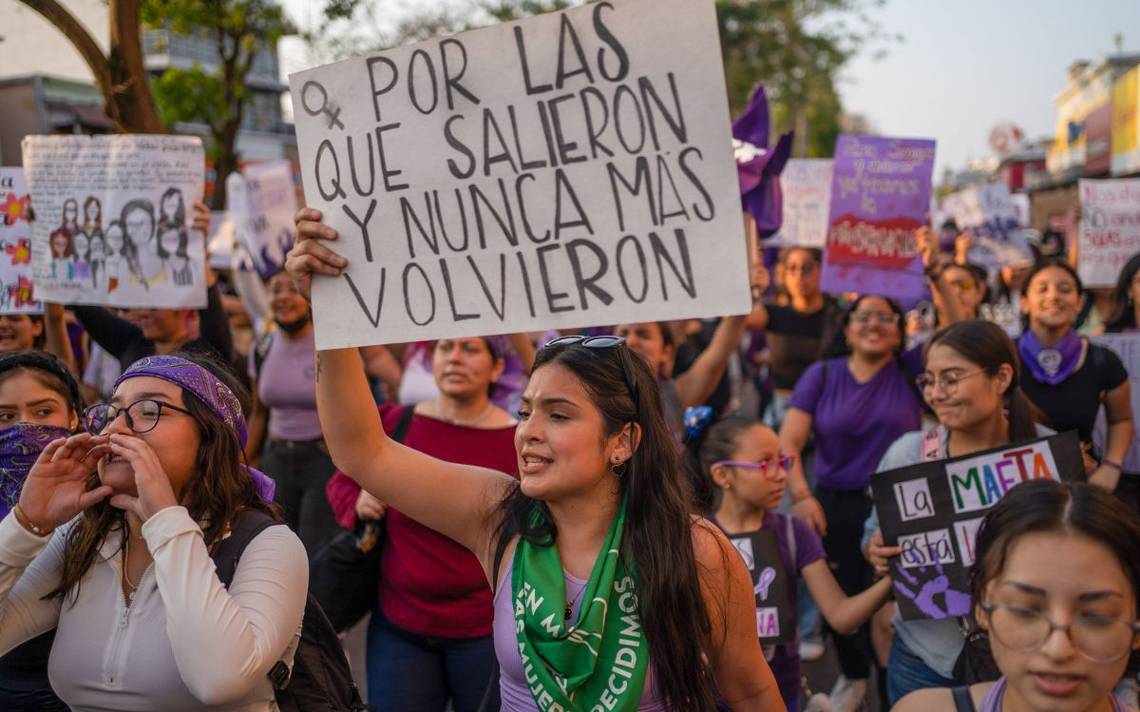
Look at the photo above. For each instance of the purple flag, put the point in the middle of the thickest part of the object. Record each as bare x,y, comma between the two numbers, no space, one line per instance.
759,168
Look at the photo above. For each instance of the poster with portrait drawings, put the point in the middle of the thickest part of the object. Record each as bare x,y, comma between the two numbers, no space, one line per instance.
112,219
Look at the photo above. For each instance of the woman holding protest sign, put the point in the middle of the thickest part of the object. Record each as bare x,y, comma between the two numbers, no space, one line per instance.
39,402
1056,585
429,639
599,522
971,381
742,459
127,578
854,405
1068,377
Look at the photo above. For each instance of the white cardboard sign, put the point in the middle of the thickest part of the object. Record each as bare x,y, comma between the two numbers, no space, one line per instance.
570,169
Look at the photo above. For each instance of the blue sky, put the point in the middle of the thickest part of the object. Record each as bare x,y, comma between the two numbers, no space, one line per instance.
965,65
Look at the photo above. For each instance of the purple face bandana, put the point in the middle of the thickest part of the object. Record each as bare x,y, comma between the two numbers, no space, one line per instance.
216,395
1050,366
20,446
197,380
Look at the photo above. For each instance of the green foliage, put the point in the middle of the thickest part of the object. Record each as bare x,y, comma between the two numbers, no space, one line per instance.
191,95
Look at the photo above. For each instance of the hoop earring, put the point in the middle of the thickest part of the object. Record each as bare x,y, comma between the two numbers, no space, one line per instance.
619,468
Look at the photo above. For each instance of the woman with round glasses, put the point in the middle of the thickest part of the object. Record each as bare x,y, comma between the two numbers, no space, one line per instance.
110,544
1056,586
609,594
854,405
971,381
742,460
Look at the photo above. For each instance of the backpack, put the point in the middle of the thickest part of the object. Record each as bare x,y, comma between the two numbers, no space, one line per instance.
321,680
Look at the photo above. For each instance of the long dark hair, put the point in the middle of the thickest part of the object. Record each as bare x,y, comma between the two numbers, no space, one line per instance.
220,487
1050,506
1125,316
718,441
176,222
130,248
986,344
839,346
658,539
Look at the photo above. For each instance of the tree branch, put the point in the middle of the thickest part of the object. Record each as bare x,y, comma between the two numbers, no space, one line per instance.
78,35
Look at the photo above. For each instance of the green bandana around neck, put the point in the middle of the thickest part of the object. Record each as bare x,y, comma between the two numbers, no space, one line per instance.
599,662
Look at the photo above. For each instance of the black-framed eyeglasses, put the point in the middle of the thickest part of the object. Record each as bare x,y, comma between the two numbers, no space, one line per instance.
602,342
1101,639
142,416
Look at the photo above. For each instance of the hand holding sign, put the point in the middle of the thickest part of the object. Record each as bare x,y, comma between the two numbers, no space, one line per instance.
308,256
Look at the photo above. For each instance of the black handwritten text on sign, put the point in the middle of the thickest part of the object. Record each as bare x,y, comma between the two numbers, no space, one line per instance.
573,168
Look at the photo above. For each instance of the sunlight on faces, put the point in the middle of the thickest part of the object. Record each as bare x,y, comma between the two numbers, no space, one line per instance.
18,332
965,288
286,303
757,443
25,399
561,442
974,397
880,334
646,340
175,439
1063,576
1052,299
464,369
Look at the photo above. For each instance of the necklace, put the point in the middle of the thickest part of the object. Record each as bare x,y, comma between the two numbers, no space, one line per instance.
466,423
126,578
570,607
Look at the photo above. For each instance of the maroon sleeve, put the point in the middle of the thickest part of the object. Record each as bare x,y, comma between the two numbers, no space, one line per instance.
342,493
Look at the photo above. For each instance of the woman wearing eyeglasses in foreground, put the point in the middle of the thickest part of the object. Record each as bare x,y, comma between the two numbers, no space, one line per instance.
970,381
1056,585
609,590
110,545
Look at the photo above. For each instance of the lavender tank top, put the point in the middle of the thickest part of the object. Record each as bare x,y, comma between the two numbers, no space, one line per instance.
992,701
514,692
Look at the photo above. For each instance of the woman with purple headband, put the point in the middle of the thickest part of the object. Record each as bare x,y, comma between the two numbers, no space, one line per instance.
110,543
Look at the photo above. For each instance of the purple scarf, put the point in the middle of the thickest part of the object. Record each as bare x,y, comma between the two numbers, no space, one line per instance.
1053,365
217,396
20,447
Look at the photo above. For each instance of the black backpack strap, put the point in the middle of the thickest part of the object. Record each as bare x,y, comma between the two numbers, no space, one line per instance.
401,430
963,701
246,525
261,352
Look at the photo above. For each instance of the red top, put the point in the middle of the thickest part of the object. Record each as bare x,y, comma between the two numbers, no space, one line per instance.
429,584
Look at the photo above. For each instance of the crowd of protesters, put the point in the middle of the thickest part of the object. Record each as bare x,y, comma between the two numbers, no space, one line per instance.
555,508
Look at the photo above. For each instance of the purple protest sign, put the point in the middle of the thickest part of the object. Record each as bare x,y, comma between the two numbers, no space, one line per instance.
880,193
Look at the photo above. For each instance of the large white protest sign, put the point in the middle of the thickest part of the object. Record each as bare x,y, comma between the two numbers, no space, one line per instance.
113,219
17,293
1110,229
806,187
990,213
263,201
570,169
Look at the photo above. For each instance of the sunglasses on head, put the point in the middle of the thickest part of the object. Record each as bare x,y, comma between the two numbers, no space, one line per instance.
602,342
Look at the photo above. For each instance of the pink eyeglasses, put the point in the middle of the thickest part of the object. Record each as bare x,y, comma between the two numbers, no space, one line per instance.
766,468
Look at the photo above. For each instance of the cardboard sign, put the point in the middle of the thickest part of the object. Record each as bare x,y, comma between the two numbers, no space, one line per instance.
880,193
1110,229
990,213
567,169
774,620
1127,347
263,201
933,511
113,217
806,187
17,293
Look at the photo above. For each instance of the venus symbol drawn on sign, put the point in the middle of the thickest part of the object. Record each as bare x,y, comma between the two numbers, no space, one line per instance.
767,576
332,111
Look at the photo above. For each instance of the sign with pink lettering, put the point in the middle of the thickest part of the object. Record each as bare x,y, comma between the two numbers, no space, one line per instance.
933,511
880,194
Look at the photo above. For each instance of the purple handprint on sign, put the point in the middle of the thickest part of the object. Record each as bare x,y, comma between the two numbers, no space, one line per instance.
955,603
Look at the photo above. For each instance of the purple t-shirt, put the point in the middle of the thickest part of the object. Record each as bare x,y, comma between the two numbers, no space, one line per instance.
854,423
287,386
785,660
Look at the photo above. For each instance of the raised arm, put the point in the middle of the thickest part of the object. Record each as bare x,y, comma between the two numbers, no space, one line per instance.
794,433
55,337
455,500
1118,412
695,385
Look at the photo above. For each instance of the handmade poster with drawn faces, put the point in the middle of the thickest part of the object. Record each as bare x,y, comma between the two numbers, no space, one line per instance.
17,295
113,219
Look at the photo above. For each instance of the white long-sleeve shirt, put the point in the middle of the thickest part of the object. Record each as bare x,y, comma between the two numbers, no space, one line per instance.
186,642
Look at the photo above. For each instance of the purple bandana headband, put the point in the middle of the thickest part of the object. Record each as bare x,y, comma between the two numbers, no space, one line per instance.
193,378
